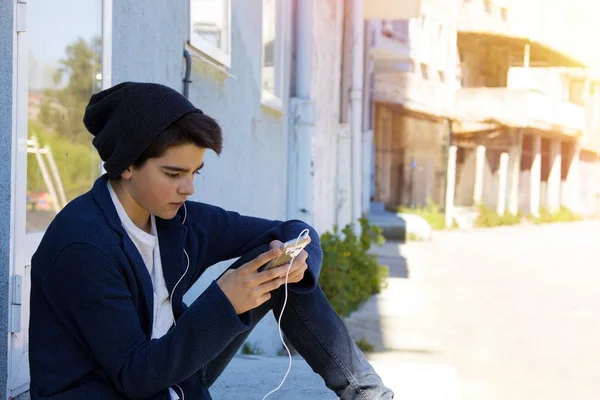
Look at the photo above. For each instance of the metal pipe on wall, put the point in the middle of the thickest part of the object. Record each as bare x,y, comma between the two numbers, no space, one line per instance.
356,105
188,72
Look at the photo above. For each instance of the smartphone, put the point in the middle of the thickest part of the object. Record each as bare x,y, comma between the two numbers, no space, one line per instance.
289,249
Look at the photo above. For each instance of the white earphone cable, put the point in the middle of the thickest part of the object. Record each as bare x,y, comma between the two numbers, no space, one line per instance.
186,268
305,231
175,287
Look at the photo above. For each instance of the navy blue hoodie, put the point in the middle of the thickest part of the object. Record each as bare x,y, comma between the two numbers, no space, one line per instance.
91,299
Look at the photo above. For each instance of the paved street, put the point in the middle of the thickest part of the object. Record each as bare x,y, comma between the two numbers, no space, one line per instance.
515,311
499,314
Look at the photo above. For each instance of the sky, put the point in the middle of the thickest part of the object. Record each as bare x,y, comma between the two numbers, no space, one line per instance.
51,28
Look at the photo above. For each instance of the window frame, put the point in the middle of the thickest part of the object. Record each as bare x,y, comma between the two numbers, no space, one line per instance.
22,243
270,100
203,46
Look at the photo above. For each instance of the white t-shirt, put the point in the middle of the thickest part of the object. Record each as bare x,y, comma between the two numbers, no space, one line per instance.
147,245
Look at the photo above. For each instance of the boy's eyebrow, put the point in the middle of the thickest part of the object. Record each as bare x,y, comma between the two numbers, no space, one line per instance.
180,169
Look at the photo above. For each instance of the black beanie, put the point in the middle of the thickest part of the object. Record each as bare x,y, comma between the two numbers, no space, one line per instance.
128,117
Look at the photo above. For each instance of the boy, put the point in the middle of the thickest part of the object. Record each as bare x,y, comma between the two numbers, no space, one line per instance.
107,316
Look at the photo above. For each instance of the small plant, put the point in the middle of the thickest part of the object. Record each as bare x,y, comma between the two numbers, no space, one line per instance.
489,218
413,237
430,213
562,215
365,346
350,274
251,349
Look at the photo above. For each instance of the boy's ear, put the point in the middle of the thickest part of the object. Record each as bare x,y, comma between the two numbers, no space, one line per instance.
127,173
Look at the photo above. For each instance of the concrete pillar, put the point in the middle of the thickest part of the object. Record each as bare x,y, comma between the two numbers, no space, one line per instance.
535,175
367,153
450,186
502,181
514,173
479,169
384,154
554,178
572,200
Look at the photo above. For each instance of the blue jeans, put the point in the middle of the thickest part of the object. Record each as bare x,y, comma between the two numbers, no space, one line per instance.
320,337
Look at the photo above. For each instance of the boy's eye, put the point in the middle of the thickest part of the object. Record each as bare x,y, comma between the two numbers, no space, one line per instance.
171,175
197,172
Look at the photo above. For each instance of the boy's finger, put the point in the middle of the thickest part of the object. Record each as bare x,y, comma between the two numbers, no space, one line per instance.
296,266
262,259
297,277
302,257
270,285
271,274
276,244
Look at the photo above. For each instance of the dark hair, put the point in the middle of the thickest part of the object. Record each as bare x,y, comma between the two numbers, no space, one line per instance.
195,128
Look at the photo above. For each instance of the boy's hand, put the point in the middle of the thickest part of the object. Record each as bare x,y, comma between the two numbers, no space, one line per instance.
299,266
246,288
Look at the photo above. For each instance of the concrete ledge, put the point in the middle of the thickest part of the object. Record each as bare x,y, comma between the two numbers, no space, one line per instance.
400,226
252,377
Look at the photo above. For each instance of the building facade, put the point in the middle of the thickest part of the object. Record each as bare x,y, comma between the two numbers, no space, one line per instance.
520,114
413,88
486,102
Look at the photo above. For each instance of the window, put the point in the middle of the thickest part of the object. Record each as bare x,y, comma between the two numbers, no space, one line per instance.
576,92
425,71
272,53
407,66
488,6
61,161
210,29
398,30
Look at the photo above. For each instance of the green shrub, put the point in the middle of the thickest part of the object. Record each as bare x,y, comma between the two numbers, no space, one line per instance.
251,349
365,346
562,215
489,218
350,275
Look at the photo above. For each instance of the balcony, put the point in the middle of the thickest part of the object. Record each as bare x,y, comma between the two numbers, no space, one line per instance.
520,108
483,23
473,18
391,43
412,91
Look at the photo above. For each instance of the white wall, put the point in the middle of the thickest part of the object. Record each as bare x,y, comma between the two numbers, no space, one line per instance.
6,127
589,202
251,174
325,91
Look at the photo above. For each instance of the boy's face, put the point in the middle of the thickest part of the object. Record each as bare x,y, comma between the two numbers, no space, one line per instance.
162,184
